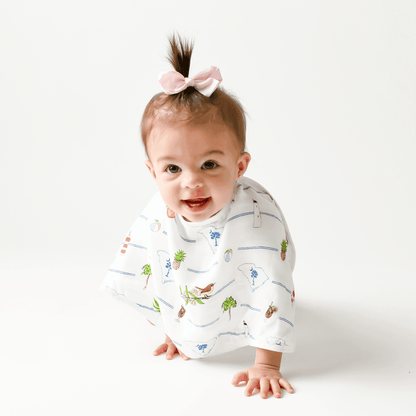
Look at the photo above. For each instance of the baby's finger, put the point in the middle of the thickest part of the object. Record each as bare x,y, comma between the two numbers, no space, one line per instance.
286,385
239,377
253,383
184,357
275,386
160,349
264,388
171,351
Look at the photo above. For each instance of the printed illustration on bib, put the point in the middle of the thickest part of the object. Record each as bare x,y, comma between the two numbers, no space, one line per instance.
202,348
181,312
178,259
196,294
166,267
125,244
156,305
284,249
255,275
272,309
155,227
228,255
293,297
228,304
276,341
246,328
212,235
147,270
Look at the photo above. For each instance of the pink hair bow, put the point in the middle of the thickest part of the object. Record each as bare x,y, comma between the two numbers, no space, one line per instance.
206,82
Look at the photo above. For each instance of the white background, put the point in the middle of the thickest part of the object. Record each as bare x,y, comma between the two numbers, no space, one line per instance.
330,90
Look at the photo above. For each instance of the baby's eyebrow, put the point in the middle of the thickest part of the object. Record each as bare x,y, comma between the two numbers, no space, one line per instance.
209,153
212,152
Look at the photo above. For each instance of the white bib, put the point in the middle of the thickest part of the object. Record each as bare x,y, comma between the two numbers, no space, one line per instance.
216,285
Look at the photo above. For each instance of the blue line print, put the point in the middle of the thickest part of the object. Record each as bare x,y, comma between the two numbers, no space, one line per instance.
285,320
121,272
283,286
163,301
137,246
231,333
203,326
142,216
243,214
258,248
146,307
202,271
164,232
218,291
250,307
188,241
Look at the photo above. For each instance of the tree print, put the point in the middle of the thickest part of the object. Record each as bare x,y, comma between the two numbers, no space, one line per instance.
147,270
214,236
254,275
201,347
168,266
284,249
228,304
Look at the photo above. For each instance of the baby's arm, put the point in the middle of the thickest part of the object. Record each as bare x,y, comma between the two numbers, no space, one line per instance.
170,349
264,375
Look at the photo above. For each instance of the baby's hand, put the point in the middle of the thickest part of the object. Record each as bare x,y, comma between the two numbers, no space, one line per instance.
170,349
264,377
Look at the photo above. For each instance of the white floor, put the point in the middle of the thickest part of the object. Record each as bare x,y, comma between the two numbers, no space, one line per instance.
69,349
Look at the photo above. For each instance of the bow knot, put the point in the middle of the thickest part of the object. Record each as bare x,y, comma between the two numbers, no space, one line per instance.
206,82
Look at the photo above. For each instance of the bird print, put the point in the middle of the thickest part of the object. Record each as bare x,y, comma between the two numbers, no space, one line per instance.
206,291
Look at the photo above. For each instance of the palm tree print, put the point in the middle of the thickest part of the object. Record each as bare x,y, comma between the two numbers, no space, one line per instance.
201,347
228,304
146,270
254,275
214,236
168,266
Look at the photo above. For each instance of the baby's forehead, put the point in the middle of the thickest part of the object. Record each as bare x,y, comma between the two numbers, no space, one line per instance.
191,138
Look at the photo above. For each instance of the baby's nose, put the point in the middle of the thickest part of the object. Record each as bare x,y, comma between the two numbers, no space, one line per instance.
192,180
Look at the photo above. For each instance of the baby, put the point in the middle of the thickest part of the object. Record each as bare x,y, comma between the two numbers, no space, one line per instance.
210,259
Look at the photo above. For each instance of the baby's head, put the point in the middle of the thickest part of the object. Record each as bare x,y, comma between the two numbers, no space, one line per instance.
195,144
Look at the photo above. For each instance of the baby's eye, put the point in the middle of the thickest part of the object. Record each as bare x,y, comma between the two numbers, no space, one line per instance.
173,169
209,164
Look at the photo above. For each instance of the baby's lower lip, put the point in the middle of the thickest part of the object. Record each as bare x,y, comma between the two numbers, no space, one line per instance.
197,204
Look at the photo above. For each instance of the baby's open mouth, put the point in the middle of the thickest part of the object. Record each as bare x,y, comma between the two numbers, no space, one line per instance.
197,204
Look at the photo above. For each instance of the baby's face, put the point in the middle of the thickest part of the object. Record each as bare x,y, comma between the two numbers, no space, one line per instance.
195,167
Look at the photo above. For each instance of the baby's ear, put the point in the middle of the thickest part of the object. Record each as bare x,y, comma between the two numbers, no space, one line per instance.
149,165
242,164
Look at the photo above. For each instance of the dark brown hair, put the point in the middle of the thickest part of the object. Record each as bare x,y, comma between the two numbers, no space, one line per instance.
190,106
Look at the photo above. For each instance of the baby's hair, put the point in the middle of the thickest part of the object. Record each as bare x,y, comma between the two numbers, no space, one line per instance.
190,106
